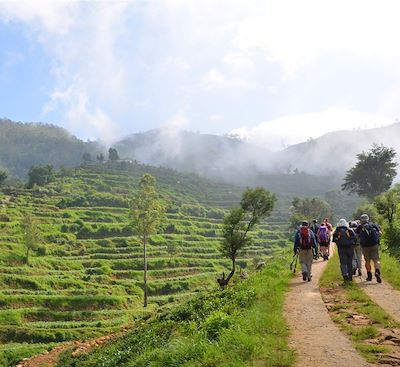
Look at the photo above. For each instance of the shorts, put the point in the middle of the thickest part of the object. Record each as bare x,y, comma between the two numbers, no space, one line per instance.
371,253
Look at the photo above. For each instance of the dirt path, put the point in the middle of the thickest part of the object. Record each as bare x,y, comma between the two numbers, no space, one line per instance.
314,336
382,294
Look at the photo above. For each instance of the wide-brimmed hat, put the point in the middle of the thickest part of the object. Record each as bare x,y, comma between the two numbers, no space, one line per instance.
343,223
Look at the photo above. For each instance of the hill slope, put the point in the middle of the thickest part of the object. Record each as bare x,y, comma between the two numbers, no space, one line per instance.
85,279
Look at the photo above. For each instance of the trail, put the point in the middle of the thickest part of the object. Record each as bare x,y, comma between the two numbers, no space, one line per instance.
314,336
384,295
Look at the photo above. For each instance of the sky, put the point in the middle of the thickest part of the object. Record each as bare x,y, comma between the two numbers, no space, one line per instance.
273,72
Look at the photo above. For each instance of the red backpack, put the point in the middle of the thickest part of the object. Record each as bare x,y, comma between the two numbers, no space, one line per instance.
305,238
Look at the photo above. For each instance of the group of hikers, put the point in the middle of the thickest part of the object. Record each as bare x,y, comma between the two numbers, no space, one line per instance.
353,240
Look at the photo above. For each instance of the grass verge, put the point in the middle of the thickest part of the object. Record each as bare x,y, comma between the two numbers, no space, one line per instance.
355,313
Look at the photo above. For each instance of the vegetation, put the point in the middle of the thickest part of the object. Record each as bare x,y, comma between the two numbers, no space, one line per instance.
30,235
86,277
146,213
40,175
255,204
309,209
3,176
113,154
373,173
241,326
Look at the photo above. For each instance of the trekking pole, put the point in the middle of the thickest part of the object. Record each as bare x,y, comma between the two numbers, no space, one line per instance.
294,261
295,264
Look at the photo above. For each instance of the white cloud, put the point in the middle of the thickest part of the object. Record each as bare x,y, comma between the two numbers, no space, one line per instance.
287,130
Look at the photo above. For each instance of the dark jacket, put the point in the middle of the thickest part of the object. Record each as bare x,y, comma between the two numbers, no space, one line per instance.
348,238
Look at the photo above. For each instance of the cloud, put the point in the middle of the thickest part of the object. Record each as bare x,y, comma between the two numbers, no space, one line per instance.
288,130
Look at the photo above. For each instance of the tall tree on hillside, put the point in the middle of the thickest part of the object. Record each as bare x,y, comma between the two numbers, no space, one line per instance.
3,176
255,204
100,158
30,235
113,154
309,209
373,173
146,213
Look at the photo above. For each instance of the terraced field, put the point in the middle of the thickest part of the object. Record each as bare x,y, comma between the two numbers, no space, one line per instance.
85,279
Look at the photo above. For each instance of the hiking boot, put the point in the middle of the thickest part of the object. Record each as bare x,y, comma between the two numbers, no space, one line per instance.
369,276
354,271
359,272
309,279
378,276
305,276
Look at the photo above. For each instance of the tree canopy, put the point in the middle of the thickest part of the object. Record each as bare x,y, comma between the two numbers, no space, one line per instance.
113,154
309,209
40,175
373,173
3,176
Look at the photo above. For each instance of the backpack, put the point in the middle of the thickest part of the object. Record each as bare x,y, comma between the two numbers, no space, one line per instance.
369,235
345,237
305,238
323,234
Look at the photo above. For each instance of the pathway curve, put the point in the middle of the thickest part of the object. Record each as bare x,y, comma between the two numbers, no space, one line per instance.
314,336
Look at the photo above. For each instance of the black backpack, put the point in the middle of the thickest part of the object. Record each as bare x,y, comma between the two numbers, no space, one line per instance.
369,235
345,237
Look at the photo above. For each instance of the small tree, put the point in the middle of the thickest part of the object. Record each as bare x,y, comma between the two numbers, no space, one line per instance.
40,175
3,176
113,154
373,173
30,234
146,213
255,204
87,158
100,158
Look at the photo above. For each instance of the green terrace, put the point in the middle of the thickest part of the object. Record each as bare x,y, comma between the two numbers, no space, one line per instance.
85,279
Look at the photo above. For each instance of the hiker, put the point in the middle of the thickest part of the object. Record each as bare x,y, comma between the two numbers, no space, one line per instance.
357,258
324,239
314,227
304,244
369,240
345,239
330,230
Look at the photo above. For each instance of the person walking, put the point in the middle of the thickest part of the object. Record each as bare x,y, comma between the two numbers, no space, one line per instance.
304,244
369,240
345,239
315,227
357,259
324,239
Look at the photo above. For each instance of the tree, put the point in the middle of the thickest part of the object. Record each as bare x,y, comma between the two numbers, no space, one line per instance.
30,234
113,154
40,175
86,157
387,203
146,213
309,209
100,158
3,176
255,204
373,173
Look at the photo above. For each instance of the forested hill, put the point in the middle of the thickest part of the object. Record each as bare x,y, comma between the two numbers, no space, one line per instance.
25,144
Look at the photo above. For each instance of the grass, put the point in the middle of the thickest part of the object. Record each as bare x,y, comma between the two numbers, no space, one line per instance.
354,300
240,326
89,286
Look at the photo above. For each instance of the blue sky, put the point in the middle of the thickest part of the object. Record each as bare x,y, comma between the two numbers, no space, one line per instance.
275,72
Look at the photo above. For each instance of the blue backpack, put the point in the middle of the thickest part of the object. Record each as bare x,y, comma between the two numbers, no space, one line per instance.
345,237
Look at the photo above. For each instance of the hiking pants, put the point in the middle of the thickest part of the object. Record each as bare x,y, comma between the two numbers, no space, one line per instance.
346,261
306,259
357,257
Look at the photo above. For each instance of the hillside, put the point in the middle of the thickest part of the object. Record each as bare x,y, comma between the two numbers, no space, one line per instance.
334,153
23,145
85,280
